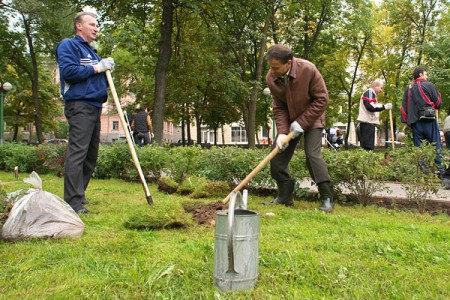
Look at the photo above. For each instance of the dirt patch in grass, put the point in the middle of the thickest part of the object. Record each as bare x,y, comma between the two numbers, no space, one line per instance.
204,214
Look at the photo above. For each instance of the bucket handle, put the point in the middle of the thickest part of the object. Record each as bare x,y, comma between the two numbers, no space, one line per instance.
240,205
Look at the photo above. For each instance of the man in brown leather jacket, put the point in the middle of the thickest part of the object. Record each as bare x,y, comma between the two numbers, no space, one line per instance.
300,98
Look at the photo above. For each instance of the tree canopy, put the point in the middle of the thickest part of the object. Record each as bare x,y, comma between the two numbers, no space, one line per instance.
204,61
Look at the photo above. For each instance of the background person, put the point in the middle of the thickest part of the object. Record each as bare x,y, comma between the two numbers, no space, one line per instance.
300,98
446,131
369,115
142,127
84,89
420,100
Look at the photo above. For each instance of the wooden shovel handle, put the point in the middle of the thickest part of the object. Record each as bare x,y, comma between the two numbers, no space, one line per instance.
259,167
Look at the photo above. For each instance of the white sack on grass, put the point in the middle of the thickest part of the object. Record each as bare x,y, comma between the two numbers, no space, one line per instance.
40,214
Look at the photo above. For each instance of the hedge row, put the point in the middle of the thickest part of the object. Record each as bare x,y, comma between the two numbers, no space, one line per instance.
355,169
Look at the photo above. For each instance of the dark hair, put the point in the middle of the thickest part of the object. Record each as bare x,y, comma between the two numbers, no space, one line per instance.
280,52
417,71
79,18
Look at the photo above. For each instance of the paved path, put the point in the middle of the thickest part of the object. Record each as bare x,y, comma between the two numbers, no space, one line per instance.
396,191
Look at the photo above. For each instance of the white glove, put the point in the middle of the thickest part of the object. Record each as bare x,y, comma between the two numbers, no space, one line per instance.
105,64
388,106
296,128
152,135
280,140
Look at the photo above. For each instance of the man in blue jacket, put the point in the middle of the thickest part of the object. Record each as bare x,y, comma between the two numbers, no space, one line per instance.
420,101
84,88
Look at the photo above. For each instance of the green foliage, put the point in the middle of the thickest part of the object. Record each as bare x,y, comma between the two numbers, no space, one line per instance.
53,156
153,159
298,166
115,161
184,161
360,172
415,167
23,156
62,129
3,203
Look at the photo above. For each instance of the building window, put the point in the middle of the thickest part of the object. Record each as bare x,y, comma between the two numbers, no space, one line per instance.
238,135
115,125
207,136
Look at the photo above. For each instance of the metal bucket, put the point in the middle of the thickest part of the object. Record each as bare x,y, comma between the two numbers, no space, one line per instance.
236,246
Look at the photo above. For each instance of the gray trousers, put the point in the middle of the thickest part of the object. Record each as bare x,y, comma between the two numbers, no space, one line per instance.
318,170
82,150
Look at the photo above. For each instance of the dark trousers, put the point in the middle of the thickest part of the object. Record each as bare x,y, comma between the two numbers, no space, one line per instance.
367,136
144,140
82,150
279,165
428,131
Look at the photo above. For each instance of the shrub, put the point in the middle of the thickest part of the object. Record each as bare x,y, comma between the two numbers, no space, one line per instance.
360,172
115,161
153,160
23,156
415,167
53,157
184,161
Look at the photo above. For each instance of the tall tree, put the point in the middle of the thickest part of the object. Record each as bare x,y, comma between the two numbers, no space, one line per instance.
33,44
162,68
355,38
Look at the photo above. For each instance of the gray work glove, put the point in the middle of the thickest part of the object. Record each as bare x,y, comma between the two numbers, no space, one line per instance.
105,64
296,128
388,106
280,140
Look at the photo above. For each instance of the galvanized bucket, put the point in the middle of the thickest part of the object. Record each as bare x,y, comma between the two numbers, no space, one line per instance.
236,246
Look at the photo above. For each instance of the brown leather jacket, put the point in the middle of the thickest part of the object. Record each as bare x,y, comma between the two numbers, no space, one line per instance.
304,99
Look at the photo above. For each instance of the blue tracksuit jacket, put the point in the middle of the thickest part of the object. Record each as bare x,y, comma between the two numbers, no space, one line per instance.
76,59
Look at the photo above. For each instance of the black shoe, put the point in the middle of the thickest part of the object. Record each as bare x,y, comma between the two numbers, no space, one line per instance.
285,193
327,205
83,211
326,194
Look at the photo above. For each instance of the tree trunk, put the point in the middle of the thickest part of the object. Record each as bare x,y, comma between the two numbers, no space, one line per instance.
251,121
162,67
34,81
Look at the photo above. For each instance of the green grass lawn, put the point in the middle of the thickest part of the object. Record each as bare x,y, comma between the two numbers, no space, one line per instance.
353,253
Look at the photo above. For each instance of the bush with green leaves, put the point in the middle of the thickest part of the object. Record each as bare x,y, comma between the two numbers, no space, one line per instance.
360,172
23,156
184,161
153,160
416,168
115,161
53,156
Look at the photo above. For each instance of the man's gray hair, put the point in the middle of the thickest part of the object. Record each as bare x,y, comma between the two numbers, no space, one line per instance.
79,18
376,83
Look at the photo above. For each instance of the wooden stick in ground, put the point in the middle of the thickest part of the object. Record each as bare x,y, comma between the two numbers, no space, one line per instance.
258,168
392,130
128,137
